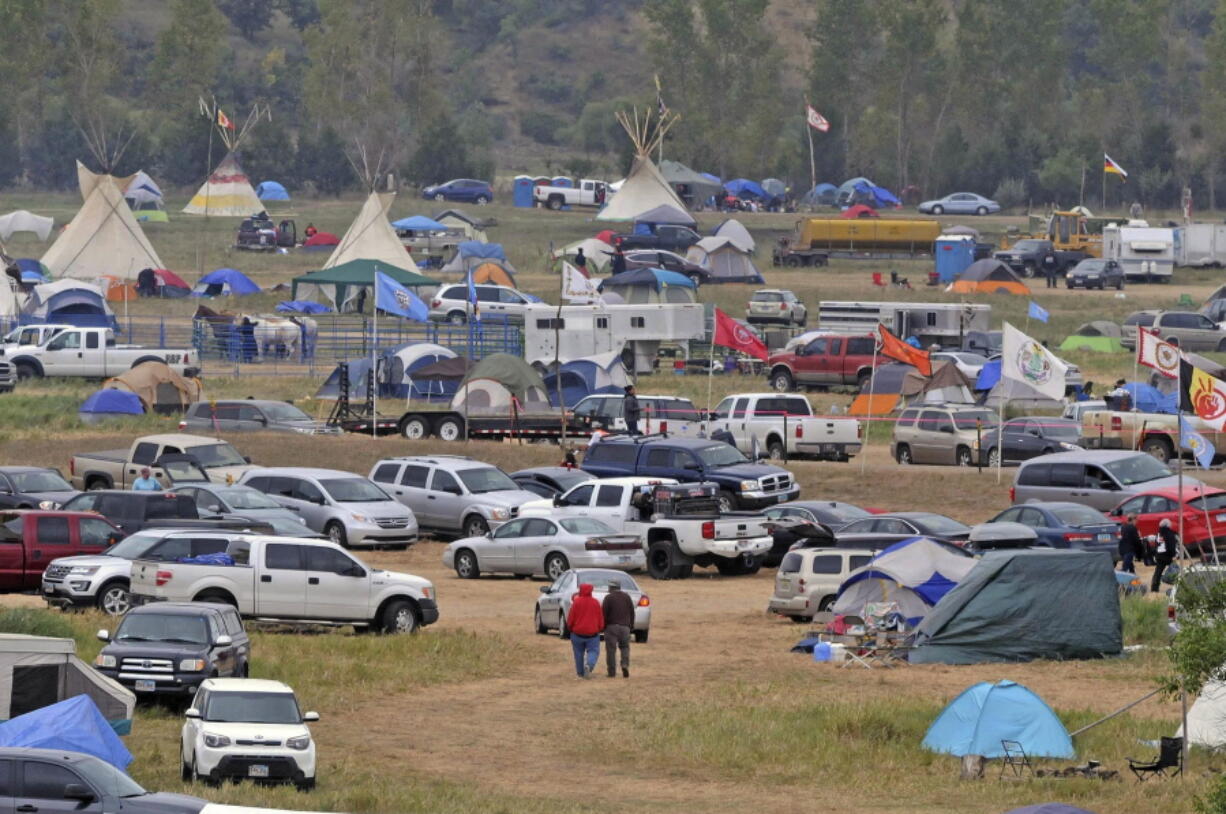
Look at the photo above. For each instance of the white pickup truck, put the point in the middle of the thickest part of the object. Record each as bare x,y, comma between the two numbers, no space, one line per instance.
784,426
586,193
29,336
679,523
295,580
93,353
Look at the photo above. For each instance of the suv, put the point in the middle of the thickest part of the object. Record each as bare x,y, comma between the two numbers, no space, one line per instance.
347,508
168,648
1195,331
460,189
808,580
252,414
451,493
742,483
133,511
776,305
670,414
937,434
825,360
450,303
1097,478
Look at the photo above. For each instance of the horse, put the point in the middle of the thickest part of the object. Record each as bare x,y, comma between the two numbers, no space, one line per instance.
262,335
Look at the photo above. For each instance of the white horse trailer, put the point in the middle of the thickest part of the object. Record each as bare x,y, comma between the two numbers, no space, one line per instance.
1201,244
932,323
587,330
1146,253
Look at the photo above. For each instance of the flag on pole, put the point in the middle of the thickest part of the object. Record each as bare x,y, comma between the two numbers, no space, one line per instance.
661,108
1192,440
393,298
1037,312
731,334
1157,354
576,287
895,348
816,120
472,296
1202,394
1115,169
223,120
1025,360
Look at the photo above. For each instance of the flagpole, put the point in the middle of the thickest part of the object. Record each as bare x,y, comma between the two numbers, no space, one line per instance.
374,368
812,162
1136,371
871,376
1179,460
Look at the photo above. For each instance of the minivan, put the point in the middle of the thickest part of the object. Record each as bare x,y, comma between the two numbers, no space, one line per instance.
1097,478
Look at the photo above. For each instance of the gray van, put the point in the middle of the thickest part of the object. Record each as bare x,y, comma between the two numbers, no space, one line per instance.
1097,478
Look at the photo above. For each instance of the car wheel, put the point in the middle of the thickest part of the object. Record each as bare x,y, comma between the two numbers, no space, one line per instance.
862,381
113,599
466,564
981,211
826,604
640,636
1069,285
696,279
664,561
963,456
774,450
938,210
457,318
414,428
800,620
993,457
1119,284
185,769
476,526
1028,270
782,382
539,623
903,455
556,565
336,533
1159,448
399,617
439,197
449,429
727,502
305,785
482,200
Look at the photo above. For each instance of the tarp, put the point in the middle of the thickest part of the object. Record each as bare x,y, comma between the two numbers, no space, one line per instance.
341,285
301,307
727,262
225,282
983,715
73,725
271,191
491,383
915,573
71,302
744,188
227,192
1018,605
160,389
23,221
643,190
735,231
846,192
419,223
989,276
667,214
371,237
106,403
32,271
878,197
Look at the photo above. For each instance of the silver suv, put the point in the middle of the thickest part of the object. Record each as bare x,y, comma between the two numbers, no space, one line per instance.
452,494
450,303
939,434
808,580
776,305
347,508
254,415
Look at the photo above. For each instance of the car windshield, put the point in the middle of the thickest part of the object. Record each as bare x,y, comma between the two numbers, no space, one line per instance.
246,498
1137,469
279,411
718,455
1029,245
252,708
211,455
353,490
766,296
939,524
163,627
134,547
968,420
1079,516
43,481
1091,265
1061,430
1209,503
486,479
585,525
106,778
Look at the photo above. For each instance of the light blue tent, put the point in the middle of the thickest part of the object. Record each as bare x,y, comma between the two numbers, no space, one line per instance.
74,725
821,195
981,717
109,403
271,191
419,223
225,282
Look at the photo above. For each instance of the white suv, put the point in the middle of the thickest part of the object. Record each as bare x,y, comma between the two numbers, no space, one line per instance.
808,580
671,414
450,303
247,728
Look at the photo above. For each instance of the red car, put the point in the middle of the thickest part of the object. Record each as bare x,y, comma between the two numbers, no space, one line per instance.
825,360
1204,514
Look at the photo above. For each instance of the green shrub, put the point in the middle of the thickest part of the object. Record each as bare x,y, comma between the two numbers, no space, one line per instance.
35,622
1010,193
543,128
1144,621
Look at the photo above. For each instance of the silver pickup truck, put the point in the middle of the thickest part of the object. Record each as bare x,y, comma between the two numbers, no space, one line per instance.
117,468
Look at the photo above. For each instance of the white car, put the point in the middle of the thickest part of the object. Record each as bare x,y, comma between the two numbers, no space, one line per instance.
247,728
543,545
969,364
553,604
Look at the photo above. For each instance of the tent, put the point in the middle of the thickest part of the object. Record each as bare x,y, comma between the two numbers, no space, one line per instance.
172,285
692,187
726,261
115,289
884,391
1014,392
320,241
107,403
225,283
103,237
774,187
403,364
859,211
371,237
1100,344
878,197
668,214
487,259
455,219
142,189
32,271
597,252
989,276
735,231
10,298
984,714
1100,327
71,302
845,195
1207,717
1050,808
358,370
1018,605
301,307
439,380
914,573
227,192
343,285
159,388
643,286
492,383
743,188
419,223
271,191
946,385
643,190
23,221
821,195
73,725
38,671
586,376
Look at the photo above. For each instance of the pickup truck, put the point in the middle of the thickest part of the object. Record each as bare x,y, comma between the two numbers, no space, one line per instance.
669,238
31,539
784,426
680,524
1026,257
586,193
287,579
1154,433
29,336
92,353
829,359
117,468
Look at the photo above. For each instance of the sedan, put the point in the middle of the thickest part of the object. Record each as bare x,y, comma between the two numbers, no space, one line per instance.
919,524
1027,437
1203,507
460,189
669,261
831,513
243,502
553,604
960,203
538,545
28,487
1066,525
549,481
1094,272
969,364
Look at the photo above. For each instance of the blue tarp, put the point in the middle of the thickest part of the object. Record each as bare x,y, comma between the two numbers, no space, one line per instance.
658,278
981,717
744,188
216,558
225,281
74,725
1152,400
419,223
989,375
301,307
121,402
875,196
271,191
487,251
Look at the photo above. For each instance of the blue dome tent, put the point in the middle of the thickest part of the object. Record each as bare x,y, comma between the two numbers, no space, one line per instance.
981,717
821,195
71,302
584,377
744,188
74,725
419,223
107,403
32,271
225,282
914,574
271,191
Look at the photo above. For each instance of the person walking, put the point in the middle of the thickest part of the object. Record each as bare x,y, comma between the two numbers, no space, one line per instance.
618,610
585,622
146,482
632,411
1049,268
1131,546
1164,554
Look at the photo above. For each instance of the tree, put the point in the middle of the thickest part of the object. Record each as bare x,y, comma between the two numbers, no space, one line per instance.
91,70
189,52
24,59
250,17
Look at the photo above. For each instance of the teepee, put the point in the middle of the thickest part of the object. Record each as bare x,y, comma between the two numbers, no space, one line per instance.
104,237
644,188
371,237
227,192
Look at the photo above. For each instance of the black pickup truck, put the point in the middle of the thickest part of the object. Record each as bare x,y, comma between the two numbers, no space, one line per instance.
1025,257
669,238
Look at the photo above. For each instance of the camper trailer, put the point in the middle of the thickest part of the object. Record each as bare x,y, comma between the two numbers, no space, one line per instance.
587,330
940,323
1146,253
1201,244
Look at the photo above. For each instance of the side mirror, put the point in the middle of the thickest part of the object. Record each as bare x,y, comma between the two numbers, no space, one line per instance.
247,458
310,717
75,791
692,466
557,500
214,508
545,589
223,641
261,420
104,635
191,712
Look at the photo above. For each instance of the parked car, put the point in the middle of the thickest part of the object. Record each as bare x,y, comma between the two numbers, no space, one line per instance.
1195,331
169,648
1095,272
117,468
1075,410
664,237
29,487
252,728
1061,524
554,603
466,190
30,539
830,513
969,364
451,494
93,353
960,203
1203,509
1101,479
824,361
528,546
926,524
450,303
1128,328
669,261
252,415
133,511
776,306
549,481
942,434
1030,436
671,414
346,508
244,503
784,426
808,580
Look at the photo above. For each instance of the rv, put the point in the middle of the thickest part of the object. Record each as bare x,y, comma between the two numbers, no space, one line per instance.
932,323
587,330
1201,244
1146,253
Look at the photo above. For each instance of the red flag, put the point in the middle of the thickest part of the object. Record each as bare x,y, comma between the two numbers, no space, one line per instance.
223,120
895,348
731,334
816,120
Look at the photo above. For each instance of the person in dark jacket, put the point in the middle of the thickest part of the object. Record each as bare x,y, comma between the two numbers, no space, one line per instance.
632,411
581,262
618,609
1131,546
1164,554
1049,268
619,261
585,623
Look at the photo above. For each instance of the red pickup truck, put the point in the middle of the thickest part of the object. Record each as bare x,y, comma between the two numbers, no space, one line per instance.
29,540
826,360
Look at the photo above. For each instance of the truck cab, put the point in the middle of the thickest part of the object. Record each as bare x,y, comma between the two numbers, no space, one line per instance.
30,540
779,425
823,361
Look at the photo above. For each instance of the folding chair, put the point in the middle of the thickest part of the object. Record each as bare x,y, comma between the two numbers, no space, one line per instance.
1167,763
877,279
1014,759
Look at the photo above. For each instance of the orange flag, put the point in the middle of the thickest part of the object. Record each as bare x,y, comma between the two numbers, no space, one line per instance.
895,348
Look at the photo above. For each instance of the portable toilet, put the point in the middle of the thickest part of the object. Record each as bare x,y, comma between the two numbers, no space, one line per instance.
521,190
953,254
562,181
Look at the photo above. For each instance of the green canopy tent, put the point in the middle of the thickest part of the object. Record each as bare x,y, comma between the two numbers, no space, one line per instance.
342,285
693,188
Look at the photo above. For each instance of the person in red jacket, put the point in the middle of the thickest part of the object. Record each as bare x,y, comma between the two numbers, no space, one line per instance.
585,622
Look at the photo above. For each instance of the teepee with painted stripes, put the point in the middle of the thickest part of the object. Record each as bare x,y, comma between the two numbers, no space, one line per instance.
228,192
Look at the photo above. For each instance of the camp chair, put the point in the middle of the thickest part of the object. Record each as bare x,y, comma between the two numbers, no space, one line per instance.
1167,763
1014,759
877,280
1185,301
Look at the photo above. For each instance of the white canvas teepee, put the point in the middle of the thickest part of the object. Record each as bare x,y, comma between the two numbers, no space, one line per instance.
104,237
226,193
371,237
644,188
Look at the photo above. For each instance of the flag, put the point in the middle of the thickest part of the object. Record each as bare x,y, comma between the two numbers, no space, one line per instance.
576,287
223,120
895,348
731,334
816,120
1113,168
1025,360
1157,354
1037,312
1202,394
1190,439
393,298
472,296
661,108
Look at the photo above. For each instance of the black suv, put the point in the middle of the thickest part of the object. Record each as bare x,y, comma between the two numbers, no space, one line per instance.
168,648
133,511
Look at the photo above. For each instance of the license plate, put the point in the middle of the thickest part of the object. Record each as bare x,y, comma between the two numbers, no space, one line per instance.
257,770
623,559
1104,538
47,589
146,685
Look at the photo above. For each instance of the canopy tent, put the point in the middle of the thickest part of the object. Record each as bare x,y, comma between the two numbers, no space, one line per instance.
71,302
884,391
666,214
643,190
419,223
159,388
320,241
271,191
915,574
644,286
103,237
1207,717
744,189
597,252
227,192
692,187
455,219
727,262
946,385
989,276
142,189
23,221
984,714
587,376
371,237
38,671
73,725
225,283
735,231
821,195
859,211
1018,605
343,285
301,307
107,403
492,383
774,187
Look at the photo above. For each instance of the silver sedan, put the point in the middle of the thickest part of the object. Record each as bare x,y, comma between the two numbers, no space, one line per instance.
553,604
537,545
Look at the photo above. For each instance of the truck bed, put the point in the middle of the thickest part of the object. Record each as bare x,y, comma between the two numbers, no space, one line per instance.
111,456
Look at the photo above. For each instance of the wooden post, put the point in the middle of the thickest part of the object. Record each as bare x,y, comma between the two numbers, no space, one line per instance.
972,767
